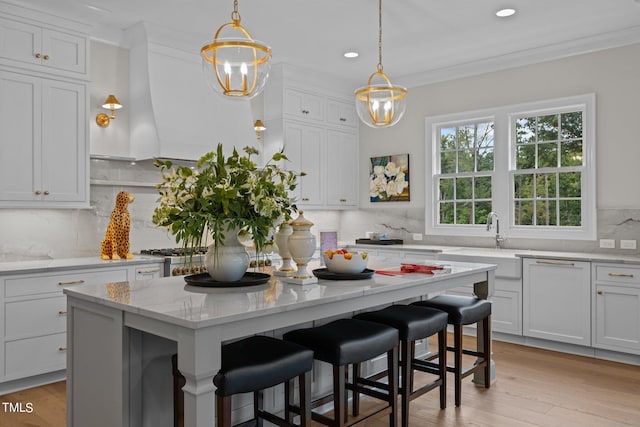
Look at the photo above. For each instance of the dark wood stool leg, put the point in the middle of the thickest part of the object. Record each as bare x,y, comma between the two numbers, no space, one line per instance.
304,385
405,385
442,366
355,400
457,343
339,410
486,324
223,411
288,400
412,356
392,366
258,406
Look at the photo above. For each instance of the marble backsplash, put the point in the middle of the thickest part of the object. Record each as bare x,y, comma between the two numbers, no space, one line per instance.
62,233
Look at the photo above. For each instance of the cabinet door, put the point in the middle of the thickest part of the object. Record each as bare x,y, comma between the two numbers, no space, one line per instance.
20,123
64,51
617,317
63,142
342,113
557,300
20,42
302,105
304,147
342,169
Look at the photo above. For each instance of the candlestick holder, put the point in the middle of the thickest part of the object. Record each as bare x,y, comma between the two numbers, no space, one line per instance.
302,245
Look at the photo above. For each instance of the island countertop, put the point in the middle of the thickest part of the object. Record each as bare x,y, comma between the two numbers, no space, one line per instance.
171,300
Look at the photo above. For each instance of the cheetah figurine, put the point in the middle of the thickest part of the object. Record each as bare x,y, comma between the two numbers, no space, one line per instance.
116,240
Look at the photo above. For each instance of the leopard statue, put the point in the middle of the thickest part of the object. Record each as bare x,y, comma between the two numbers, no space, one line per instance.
116,240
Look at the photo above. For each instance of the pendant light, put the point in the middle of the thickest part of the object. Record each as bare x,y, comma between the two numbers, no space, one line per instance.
236,67
380,105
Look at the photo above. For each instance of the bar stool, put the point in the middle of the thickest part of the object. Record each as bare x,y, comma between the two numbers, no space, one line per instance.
414,323
463,310
253,365
346,342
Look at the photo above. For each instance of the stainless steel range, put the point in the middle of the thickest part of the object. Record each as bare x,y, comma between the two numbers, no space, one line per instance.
177,261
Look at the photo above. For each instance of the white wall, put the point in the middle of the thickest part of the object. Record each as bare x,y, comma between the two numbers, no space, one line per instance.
611,74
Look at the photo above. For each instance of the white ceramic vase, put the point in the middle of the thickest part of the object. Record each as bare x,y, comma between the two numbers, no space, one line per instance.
230,261
282,242
302,245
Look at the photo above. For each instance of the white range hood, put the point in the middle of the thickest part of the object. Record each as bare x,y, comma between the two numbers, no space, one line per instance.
173,113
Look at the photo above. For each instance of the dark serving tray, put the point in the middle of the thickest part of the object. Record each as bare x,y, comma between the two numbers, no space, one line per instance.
379,242
323,273
249,279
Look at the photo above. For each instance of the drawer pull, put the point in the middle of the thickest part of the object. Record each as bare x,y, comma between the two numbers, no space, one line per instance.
620,275
62,348
571,264
342,119
71,282
62,312
600,292
343,200
148,271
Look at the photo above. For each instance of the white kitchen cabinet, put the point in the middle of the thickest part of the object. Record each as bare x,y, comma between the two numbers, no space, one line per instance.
616,295
33,315
342,113
300,105
342,159
557,300
319,136
43,152
38,48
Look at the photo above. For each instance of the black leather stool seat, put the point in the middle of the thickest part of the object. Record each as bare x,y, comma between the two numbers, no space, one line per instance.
260,362
346,341
411,321
462,310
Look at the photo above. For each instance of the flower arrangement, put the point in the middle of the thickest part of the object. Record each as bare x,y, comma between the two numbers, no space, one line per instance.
222,194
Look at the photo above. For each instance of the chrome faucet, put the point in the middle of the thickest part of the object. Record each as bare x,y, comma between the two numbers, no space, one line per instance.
492,215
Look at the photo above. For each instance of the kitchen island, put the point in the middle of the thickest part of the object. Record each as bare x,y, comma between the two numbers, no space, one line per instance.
104,321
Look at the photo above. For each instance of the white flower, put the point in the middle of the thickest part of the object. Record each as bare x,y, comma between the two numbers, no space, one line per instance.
390,169
378,170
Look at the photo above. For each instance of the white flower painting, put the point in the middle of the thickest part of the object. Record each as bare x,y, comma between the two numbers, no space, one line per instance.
389,178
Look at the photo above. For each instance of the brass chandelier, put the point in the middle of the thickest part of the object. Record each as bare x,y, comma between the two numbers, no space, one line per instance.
380,105
236,67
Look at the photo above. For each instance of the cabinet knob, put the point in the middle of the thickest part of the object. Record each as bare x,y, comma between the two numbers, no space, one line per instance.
303,173
342,119
343,200
38,192
46,192
38,55
62,348
305,111
600,292
62,312
46,57
305,199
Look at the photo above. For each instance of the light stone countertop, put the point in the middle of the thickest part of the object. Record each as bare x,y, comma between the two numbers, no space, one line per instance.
45,265
171,300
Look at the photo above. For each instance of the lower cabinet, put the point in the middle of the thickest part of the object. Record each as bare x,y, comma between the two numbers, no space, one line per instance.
616,290
33,315
557,300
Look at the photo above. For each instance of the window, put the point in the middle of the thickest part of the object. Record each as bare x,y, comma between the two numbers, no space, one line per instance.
533,164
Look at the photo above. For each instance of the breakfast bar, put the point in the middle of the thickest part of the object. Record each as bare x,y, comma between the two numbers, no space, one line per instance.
104,368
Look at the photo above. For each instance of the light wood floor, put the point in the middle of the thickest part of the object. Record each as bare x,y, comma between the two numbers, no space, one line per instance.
534,388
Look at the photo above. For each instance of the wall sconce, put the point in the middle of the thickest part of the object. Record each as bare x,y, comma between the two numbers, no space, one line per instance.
259,127
111,103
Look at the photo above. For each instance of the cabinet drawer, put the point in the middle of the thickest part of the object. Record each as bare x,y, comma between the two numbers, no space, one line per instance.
36,317
612,273
34,356
40,284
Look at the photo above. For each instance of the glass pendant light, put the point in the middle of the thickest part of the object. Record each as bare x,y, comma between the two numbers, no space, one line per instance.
382,104
236,67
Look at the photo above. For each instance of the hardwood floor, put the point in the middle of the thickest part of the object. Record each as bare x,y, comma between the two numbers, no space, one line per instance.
534,388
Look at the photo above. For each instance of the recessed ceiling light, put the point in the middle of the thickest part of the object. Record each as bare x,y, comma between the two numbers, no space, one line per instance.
503,13
351,54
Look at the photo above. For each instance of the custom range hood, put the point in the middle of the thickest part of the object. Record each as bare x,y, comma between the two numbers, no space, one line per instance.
173,113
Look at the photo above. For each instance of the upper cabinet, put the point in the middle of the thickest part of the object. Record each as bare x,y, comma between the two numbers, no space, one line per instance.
38,48
319,134
43,111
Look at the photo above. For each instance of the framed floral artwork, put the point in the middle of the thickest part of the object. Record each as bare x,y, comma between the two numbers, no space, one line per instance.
389,178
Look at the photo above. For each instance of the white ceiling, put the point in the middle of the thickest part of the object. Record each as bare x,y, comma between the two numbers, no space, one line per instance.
423,40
